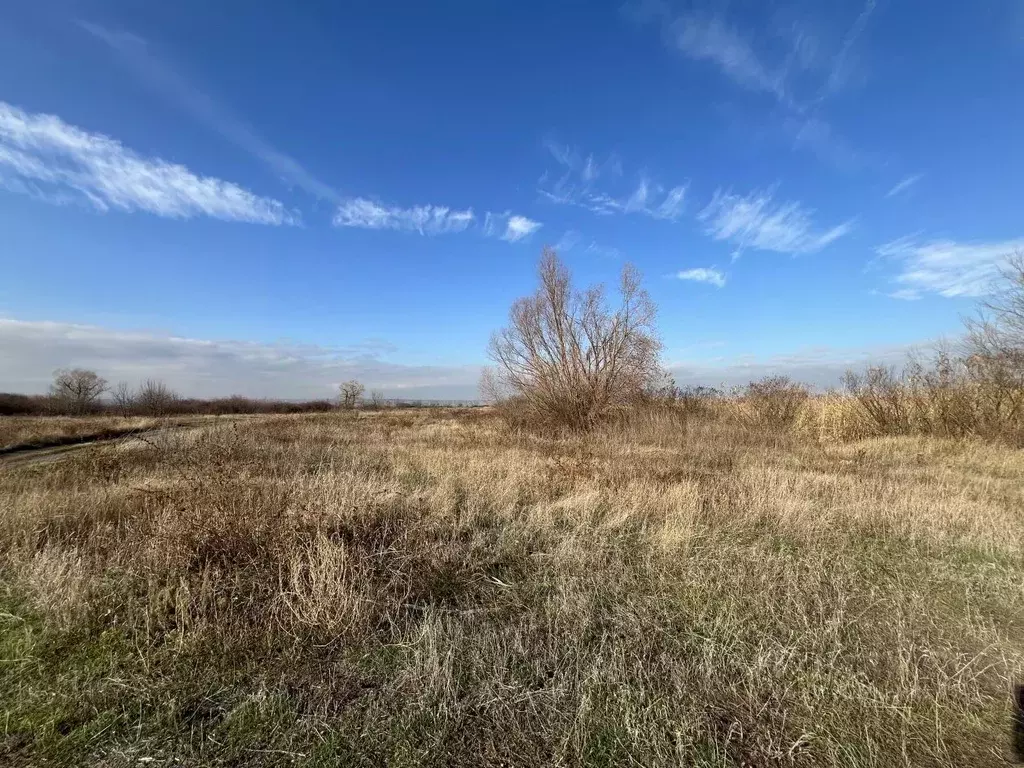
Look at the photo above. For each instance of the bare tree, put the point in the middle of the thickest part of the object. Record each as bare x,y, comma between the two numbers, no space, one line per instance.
376,399
998,331
123,398
349,394
155,398
995,345
565,357
76,389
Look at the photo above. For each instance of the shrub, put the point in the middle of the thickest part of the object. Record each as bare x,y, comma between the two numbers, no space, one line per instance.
775,401
566,358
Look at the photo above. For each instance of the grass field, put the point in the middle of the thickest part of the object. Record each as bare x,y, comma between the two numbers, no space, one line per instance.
18,432
429,588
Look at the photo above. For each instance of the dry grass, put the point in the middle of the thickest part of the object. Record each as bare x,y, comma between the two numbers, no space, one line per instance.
431,589
18,431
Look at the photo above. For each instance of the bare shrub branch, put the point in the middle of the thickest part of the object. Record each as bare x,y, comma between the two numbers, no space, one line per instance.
566,357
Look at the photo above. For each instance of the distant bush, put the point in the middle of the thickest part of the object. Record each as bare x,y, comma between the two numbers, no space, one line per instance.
697,401
775,401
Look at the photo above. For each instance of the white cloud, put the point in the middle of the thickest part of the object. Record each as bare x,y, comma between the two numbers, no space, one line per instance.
206,368
43,156
154,72
786,59
708,275
757,221
905,294
510,227
568,241
904,185
520,227
818,136
563,153
607,251
945,267
710,39
576,185
425,219
671,207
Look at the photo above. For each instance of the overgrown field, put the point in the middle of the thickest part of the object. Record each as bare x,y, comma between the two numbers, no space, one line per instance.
430,588
40,431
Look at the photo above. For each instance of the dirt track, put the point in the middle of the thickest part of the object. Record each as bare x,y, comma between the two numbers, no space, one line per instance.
44,454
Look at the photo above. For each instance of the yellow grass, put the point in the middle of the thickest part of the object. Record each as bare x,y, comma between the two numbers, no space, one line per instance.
430,588
44,430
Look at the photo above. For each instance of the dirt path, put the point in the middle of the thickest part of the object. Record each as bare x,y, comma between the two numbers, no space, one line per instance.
45,454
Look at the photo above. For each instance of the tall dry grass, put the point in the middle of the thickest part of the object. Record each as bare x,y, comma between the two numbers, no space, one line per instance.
28,431
433,588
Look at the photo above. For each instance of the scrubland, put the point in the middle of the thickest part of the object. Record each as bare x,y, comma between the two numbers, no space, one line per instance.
435,588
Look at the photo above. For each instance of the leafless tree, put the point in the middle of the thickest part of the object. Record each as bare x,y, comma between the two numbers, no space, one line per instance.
566,357
77,390
376,399
349,394
995,344
123,398
155,398
998,331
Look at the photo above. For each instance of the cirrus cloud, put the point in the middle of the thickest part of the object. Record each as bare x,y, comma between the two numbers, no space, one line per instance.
364,213
946,267
757,221
42,156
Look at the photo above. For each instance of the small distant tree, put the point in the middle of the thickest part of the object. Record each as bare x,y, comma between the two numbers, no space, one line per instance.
350,393
76,390
566,357
155,398
376,398
123,398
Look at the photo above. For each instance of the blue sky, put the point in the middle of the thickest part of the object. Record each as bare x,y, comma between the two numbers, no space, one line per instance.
269,198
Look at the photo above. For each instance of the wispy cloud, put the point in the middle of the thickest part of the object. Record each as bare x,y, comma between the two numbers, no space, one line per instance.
904,185
788,62
606,251
577,183
708,275
569,240
425,219
817,136
141,62
839,70
711,38
757,221
41,155
509,226
946,267
905,294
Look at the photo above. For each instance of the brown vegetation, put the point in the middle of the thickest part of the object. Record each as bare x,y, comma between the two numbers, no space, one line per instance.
566,358
430,588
